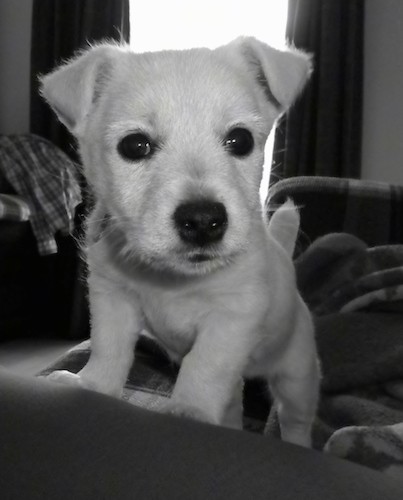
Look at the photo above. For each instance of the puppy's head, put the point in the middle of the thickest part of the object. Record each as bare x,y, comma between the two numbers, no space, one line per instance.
173,142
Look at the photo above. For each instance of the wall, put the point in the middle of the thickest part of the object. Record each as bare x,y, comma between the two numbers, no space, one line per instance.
15,42
383,92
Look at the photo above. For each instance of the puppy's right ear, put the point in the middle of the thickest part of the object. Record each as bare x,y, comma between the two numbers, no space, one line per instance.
73,88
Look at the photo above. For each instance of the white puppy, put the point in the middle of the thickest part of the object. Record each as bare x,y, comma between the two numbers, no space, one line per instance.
173,144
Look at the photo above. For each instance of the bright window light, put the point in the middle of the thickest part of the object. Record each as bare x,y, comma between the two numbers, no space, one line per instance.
181,24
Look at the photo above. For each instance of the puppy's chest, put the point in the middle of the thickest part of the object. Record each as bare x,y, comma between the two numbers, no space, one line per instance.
173,319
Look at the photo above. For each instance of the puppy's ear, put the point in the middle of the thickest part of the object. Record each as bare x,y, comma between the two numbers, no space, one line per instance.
281,74
73,88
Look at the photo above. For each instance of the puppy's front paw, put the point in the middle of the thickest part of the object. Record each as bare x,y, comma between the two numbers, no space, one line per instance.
85,380
185,411
66,378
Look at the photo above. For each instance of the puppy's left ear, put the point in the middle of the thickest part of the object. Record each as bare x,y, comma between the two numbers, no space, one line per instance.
281,74
73,88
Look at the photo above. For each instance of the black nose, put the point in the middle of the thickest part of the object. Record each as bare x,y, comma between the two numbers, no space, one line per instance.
201,222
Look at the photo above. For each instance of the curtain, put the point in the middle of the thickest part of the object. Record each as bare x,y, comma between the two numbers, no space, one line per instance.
321,134
59,28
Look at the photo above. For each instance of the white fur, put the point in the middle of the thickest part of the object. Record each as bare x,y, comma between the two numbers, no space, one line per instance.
238,313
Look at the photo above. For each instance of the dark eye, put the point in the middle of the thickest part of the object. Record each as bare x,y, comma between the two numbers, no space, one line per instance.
135,147
239,142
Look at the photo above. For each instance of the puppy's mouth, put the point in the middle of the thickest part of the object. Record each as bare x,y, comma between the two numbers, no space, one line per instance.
207,261
200,257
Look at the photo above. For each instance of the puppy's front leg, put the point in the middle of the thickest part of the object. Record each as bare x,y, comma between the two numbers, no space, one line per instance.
210,372
233,416
115,326
295,386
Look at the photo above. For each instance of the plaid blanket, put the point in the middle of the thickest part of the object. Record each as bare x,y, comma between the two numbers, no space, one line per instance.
45,178
151,378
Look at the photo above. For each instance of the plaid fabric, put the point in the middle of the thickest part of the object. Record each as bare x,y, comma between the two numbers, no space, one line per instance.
151,378
372,211
13,208
45,177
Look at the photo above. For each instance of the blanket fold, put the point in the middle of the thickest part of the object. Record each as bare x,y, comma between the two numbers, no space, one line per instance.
356,293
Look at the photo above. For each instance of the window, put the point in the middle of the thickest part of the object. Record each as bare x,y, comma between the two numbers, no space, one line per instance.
180,24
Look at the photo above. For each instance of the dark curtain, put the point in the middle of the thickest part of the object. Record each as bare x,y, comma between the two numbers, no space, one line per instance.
59,28
321,134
